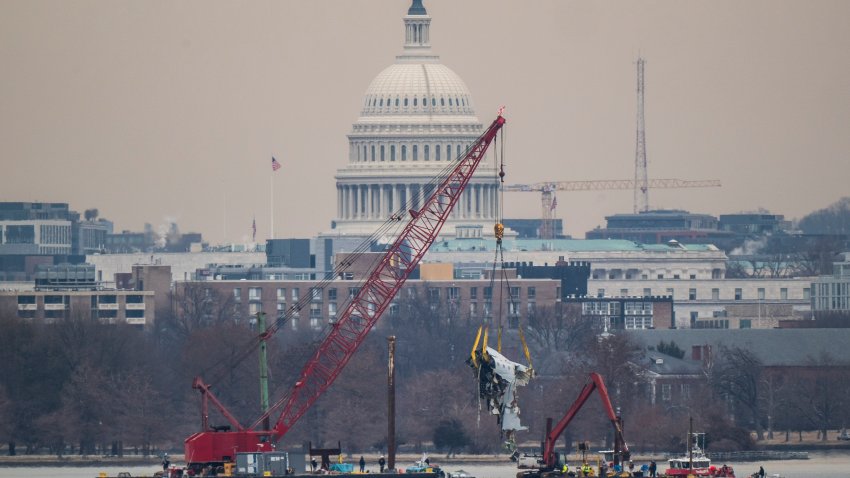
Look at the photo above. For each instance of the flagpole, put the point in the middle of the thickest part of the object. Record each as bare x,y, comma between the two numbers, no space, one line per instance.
271,204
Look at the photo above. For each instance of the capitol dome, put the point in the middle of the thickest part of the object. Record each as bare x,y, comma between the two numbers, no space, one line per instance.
410,89
417,115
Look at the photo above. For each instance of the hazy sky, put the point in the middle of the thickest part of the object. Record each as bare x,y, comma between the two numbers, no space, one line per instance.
170,110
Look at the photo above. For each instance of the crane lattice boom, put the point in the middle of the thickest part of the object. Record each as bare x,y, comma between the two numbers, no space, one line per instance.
353,323
598,185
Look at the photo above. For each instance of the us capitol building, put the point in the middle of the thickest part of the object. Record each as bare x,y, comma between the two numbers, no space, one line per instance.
417,118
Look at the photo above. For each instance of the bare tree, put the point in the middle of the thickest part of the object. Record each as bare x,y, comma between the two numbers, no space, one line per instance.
827,386
197,306
559,327
737,374
816,257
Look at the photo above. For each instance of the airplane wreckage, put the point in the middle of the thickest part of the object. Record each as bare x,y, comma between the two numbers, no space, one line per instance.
498,379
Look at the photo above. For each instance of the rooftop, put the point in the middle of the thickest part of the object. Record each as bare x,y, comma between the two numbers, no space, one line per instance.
564,245
774,347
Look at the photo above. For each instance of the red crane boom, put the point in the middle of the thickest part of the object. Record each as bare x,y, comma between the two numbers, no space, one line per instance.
552,434
347,334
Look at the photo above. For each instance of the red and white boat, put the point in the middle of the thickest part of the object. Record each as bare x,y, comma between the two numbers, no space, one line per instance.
697,463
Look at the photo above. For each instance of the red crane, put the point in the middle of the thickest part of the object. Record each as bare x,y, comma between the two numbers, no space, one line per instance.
549,461
215,447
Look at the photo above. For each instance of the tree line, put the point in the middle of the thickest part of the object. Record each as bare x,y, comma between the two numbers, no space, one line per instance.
81,387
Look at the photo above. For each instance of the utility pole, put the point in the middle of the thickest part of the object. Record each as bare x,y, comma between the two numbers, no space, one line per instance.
264,368
641,201
391,403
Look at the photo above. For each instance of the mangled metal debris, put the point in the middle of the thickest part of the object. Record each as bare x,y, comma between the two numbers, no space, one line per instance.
498,379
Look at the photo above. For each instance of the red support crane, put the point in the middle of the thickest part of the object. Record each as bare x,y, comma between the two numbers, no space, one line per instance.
549,460
213,448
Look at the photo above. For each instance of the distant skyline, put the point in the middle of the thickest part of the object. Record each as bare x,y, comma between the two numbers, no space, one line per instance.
164,111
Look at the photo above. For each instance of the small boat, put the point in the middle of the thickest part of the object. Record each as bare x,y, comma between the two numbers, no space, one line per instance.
459,474
424,466
696,462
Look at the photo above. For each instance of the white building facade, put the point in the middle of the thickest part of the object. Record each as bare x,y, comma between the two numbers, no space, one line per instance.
832,293
417,119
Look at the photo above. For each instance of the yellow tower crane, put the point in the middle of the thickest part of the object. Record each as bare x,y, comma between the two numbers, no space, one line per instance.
549,202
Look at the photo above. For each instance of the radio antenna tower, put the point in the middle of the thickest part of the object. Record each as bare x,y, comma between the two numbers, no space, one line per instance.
641,203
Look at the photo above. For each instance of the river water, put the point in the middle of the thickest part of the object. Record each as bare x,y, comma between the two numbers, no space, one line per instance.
819,465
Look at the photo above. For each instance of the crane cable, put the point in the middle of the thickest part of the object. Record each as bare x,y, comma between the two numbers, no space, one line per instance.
504,280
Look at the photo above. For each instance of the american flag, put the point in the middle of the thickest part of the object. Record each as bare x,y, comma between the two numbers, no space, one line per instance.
275,164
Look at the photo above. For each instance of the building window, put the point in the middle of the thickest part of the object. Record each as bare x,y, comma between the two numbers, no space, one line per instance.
60,313
739,294
761,293
255,307
331,294
513,309
488,293
692,294
807,293
281,294
624,292
783,293
107,314
135,314
473,292
295,294
331,310
255,293
437,152
676,276
382,152
715,294
666,392
373,152
433,295
693,276
694,317
315,310
600,292
686,391
647,292
404,152
415,152
670,291
454,293
427,153
472,309
316,294
514,291
660,276
392,151
531,293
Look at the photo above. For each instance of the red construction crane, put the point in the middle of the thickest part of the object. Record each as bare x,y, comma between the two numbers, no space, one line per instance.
211,447
549,203
549,462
